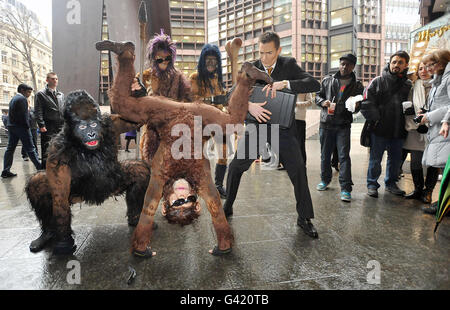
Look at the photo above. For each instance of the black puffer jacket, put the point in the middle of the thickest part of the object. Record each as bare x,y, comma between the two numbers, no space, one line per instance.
382,104
329,90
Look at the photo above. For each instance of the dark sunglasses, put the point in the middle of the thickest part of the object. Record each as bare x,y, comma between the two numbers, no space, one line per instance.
161,60
181,201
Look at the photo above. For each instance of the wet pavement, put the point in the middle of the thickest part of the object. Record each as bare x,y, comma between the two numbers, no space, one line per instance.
270,251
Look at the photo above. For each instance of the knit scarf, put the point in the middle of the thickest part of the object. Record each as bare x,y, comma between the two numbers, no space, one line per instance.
420,95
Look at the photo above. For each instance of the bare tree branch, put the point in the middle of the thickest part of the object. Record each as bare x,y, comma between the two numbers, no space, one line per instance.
23,35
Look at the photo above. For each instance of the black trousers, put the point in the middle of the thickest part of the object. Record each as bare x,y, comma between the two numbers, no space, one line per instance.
301,136
52,130
290,156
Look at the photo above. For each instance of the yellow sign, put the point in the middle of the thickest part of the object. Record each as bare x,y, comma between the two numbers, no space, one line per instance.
426,35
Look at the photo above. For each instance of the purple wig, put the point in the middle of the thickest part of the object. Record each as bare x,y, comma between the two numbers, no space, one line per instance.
161,42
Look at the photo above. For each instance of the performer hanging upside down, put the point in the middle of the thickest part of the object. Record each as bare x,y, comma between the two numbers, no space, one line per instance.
207,86
161,79
82,166
177,181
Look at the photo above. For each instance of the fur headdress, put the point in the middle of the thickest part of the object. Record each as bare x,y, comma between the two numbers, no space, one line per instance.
203,74
161,42
80,105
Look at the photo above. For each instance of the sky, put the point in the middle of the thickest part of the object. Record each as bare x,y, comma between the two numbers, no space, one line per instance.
43,9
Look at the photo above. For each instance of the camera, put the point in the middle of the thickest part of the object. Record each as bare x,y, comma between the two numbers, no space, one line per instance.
418,118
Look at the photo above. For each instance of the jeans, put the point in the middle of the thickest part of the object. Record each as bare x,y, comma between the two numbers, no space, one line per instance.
331,139
394,160
24,135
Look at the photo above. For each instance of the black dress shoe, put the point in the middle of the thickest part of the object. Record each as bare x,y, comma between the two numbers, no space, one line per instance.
8,174
414,195
222,192
307,227
45,238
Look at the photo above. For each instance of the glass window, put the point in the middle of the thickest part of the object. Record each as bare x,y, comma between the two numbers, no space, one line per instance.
341,42
282,19
341,17
339,4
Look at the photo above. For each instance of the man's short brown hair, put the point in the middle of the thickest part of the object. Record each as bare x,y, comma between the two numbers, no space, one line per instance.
50,73
270,36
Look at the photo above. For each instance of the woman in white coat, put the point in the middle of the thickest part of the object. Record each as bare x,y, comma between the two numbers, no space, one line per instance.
437,150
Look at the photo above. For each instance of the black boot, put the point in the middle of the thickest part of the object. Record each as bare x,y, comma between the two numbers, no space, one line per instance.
219,176
417,176
431,209
45,238
64,246
430,183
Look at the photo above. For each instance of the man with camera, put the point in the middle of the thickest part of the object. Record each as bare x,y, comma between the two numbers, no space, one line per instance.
383,109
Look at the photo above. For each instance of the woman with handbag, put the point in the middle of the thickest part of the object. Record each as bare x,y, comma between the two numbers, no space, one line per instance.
415,140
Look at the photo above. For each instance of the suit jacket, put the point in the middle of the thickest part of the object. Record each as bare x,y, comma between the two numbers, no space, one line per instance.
18,112
48,108
287,69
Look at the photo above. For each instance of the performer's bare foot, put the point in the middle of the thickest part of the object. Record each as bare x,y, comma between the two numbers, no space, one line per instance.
115,47
256,74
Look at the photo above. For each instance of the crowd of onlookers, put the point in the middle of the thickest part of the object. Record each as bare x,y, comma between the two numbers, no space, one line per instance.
405,114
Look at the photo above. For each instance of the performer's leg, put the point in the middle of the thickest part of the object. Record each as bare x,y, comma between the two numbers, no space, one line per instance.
59,178
143,232
38,193
208,192
137,177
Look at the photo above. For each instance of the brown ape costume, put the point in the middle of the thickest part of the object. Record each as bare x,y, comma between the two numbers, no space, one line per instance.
82,166
163,114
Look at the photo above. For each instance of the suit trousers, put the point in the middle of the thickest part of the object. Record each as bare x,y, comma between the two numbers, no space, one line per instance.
52,130
289,154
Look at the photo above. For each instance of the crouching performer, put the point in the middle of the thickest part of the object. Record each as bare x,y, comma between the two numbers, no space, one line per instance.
82,166
177,181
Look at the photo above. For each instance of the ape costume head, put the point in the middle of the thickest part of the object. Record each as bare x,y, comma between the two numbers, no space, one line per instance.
83,114
209,60
161,42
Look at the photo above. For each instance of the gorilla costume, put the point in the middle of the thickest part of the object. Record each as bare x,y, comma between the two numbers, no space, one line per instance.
82,166
188,176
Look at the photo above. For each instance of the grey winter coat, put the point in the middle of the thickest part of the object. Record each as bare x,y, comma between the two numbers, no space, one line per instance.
438,148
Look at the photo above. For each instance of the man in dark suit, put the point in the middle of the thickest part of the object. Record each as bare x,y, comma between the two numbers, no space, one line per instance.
49,104
19,129
287,75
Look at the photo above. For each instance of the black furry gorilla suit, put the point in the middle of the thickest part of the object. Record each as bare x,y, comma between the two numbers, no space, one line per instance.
83,166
